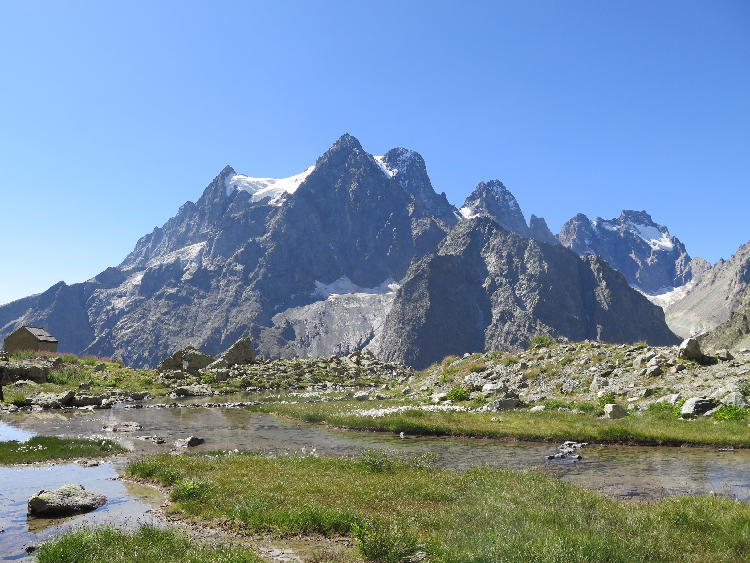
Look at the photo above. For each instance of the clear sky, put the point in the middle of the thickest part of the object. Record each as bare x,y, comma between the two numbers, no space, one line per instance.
113,114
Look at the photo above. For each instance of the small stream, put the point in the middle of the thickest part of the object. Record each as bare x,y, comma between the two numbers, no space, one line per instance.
626,472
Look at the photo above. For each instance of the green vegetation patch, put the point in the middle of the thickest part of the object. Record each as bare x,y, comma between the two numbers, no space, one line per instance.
658,426
147,544
399,509
46,448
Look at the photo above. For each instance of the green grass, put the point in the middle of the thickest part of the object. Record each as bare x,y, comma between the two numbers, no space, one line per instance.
656,427
46,448
145,545
395,509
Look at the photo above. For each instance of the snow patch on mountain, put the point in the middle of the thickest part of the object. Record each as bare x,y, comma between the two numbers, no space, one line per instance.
345,286
389,172
666,296
121,295
262,188
188,256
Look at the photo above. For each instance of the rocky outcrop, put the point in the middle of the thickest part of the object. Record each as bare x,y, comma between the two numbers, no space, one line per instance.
67,500
647,255
485,288
197,360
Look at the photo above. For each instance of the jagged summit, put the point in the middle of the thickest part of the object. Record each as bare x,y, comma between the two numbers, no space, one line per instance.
650,258
492,199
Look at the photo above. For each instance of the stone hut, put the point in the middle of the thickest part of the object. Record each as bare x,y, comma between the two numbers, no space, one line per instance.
30,338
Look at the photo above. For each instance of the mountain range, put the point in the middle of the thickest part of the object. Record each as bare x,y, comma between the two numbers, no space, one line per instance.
360,251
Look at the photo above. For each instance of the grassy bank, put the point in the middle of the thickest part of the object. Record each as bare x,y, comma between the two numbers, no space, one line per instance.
145,545
51,448
658,426
397,507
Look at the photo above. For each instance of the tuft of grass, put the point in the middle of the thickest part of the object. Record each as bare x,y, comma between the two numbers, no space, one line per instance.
147,544
45,448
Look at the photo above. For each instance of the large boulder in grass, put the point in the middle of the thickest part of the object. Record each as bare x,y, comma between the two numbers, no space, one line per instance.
67,500
198,360
614,411
239,353
697,406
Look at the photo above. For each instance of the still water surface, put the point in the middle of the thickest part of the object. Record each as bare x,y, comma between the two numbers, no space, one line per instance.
628,472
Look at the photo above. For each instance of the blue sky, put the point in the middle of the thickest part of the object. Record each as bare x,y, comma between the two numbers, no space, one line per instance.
113,114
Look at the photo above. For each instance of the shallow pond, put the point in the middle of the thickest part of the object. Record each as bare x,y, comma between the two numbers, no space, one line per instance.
628,472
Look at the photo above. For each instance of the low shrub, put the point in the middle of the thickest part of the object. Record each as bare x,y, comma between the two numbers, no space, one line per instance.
541,342
730,412
189,489
459,394
607,399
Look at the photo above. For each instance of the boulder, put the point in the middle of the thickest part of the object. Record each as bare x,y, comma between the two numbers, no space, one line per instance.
500,405
690,349
697,406
67,500
198,360
49,400
474,382
672,399
653,371
362,396
197,390
724,355
538,408
614,411
33,371
239,353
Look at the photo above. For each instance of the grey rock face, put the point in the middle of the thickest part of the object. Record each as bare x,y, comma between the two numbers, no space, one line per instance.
67,500
735,331
711,302
485,288
647,255
492,199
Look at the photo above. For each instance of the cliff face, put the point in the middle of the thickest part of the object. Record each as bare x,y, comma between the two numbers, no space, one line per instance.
486,288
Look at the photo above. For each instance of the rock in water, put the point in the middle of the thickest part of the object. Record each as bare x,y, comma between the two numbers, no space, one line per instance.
67,500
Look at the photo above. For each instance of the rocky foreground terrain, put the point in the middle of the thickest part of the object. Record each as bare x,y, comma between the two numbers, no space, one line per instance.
573,376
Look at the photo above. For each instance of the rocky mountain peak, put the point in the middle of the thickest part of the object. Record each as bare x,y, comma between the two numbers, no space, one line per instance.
540,231
650,258
492,199
341,150
408,168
